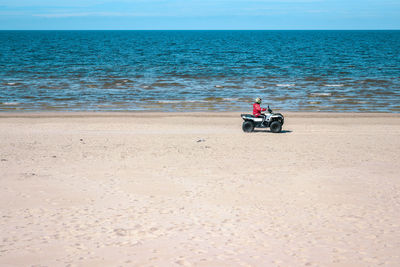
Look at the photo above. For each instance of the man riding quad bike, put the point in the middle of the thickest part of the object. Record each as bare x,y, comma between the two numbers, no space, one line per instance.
273,121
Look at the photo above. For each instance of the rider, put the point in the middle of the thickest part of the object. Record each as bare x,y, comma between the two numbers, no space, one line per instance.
257,109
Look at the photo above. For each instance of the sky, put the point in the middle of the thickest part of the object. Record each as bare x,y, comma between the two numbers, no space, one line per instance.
198,14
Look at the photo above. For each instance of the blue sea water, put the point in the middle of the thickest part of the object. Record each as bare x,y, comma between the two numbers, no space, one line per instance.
199,70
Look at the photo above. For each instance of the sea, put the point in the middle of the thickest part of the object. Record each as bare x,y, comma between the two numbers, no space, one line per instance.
184,71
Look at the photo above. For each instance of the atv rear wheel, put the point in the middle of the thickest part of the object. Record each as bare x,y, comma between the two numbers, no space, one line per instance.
248,126
275,127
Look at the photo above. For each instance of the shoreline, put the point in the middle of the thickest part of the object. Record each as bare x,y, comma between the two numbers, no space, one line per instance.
74,114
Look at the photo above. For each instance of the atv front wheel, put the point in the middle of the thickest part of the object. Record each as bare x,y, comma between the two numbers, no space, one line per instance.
275,127
248,126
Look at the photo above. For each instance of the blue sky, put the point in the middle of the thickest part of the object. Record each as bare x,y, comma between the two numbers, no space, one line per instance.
198,14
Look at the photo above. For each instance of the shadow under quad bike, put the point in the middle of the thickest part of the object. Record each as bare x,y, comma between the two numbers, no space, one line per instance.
273,121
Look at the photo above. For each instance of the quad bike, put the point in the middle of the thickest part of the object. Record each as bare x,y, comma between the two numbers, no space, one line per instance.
273,121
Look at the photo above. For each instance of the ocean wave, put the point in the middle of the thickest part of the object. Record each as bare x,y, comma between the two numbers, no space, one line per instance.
271,67
10,103
321,94
333,85
350,101
170,101
105,106
342,100
194,101
231,99
180,101
205,100
167,84
220,99
12,83
65,98
375,81
312,79
285,84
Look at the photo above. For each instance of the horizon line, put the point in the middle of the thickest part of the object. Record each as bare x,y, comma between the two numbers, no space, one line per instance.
394,29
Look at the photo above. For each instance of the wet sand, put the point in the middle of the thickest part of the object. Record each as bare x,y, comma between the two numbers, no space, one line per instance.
173,189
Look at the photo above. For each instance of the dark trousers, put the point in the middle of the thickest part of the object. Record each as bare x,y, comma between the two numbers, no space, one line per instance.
263,118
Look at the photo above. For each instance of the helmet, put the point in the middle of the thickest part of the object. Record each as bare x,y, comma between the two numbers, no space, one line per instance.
258,100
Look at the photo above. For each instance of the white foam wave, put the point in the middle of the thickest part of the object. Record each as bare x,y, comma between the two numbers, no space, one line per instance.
194,101
169,101
285,84
231,99
11,83
219,86
321,94
180,101
333,85
10,103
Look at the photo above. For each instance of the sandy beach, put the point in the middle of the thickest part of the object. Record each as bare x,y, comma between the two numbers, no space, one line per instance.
191,189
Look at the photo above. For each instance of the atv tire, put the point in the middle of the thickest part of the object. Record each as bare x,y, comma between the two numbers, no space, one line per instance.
248,126
275,127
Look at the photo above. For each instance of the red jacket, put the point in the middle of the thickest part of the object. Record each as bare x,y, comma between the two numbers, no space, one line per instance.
257,109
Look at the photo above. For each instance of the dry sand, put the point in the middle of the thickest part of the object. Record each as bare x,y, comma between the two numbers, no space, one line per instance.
113,189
